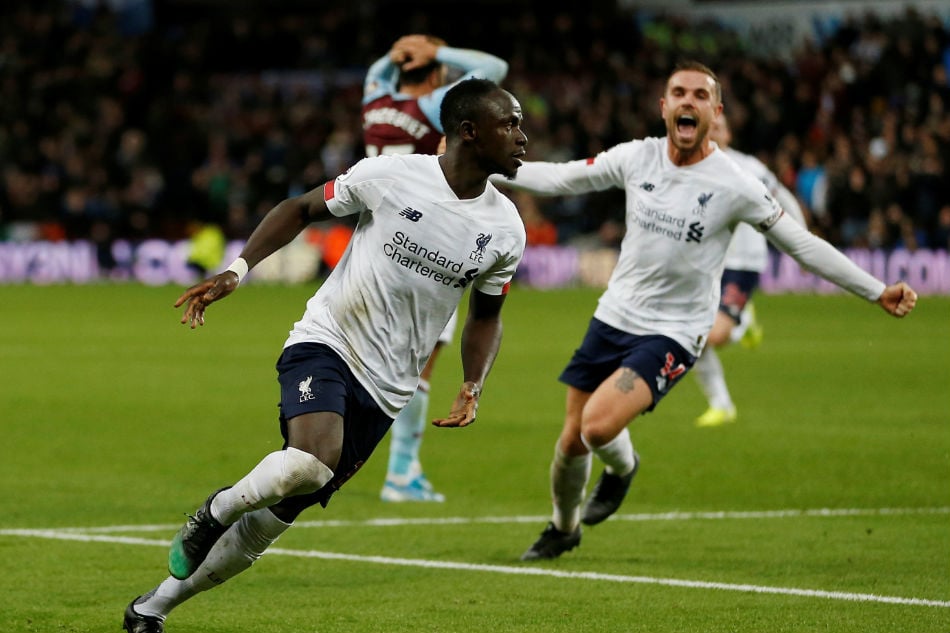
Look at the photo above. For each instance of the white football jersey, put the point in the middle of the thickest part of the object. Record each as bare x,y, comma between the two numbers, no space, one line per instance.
416,249
749,249
679,223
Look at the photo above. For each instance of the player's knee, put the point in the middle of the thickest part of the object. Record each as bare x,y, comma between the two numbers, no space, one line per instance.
594,437
719,337
564,457
302,473
721,329
571,444
597,430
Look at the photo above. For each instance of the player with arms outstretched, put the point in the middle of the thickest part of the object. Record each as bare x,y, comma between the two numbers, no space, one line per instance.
684,198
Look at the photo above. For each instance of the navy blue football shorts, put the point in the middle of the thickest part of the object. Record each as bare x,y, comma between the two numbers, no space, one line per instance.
313,378
736,288
658,359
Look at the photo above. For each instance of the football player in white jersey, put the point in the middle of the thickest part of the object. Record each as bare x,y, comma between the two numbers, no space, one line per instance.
684,198
746,258
430,228
402,96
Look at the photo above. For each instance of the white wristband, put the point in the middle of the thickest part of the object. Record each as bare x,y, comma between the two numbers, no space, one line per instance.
239,268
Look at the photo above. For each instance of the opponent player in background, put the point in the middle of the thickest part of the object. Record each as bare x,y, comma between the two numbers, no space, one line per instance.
746,259
402,96
684,198
354,359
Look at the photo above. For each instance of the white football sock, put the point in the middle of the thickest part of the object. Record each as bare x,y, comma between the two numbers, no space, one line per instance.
237,549
712,379
569,476
280,474
617,454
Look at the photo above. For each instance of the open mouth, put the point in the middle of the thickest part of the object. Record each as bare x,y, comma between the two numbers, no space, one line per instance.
686,123
687,126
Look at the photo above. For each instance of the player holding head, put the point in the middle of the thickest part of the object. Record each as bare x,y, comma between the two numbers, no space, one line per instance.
353,360
403,92
402,98
684,197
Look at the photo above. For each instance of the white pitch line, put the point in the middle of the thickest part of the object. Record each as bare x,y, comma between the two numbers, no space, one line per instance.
645,580
724,515
506,569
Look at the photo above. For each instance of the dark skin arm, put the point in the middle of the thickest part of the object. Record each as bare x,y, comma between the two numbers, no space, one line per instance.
481,339
278,228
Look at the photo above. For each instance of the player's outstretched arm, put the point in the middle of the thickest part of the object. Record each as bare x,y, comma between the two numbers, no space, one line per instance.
281,225
817,255
898,299
197,298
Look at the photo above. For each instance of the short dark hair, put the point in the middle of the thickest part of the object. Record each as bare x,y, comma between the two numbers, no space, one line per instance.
418,75
692,64
463,102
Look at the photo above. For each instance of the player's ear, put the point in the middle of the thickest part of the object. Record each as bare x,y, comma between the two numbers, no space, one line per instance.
468,131
436,77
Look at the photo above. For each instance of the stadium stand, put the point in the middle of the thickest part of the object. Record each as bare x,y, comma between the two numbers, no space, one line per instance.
139,126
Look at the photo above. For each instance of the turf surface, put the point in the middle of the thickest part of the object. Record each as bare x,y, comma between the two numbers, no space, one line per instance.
826,507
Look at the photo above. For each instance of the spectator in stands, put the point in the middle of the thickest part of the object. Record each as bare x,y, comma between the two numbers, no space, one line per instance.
849,207
62,111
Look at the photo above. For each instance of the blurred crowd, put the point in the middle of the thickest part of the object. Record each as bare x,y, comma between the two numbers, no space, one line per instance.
209,114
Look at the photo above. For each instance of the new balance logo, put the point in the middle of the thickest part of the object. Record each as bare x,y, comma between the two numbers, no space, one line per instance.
411,214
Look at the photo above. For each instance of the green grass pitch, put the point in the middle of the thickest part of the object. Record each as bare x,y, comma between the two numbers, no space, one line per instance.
826,507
